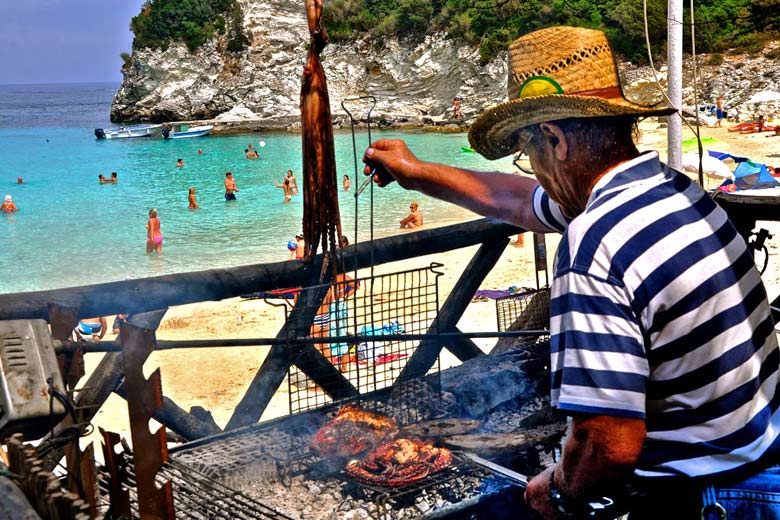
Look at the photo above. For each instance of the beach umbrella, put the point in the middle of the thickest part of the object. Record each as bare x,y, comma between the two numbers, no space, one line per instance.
764,97
712,167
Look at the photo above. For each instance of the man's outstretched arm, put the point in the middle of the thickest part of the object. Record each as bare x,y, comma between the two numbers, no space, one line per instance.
498,195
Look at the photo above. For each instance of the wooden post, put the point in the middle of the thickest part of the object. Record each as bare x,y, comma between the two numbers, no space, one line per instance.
174,417
425,356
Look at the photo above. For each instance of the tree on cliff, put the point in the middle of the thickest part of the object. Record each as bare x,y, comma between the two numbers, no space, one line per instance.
194,22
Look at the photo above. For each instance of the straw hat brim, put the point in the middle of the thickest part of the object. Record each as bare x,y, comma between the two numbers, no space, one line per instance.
492,135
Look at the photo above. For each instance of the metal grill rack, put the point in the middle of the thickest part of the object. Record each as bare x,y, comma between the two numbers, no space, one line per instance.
197,496
472,481
357,322
529,310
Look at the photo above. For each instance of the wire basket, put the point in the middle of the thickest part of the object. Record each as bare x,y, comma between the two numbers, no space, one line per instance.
358,322
528,310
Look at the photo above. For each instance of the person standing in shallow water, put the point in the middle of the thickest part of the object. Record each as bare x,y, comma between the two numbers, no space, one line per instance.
230,187
191,197
345,184
154,236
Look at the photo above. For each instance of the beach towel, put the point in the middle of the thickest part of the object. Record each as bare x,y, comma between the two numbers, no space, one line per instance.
374,351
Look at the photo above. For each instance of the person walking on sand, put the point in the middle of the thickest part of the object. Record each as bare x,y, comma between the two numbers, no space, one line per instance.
8,205
345,184
230,187
191,197
662,344
720,114
456,108
414,219
154,238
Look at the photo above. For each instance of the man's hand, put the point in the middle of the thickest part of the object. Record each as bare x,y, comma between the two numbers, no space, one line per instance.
390,160
537,495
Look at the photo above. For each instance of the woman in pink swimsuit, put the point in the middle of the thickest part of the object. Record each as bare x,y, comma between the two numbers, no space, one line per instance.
154,236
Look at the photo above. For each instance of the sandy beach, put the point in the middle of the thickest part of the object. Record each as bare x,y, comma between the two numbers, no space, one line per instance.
216,379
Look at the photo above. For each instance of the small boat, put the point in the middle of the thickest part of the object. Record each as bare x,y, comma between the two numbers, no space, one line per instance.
183,132
128,131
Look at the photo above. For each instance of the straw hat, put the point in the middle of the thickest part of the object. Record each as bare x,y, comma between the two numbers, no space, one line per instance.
555,73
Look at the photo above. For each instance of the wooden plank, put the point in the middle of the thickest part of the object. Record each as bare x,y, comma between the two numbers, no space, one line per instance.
274,369
425,356
134,296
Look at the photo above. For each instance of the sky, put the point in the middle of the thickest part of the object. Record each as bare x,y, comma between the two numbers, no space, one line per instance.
64,41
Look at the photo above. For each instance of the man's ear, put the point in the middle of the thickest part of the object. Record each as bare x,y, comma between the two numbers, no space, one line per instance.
557,139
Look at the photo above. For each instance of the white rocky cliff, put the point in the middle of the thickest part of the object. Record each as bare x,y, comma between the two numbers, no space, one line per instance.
411,82
414,83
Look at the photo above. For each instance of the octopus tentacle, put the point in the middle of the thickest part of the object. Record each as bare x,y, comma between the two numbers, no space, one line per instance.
398,463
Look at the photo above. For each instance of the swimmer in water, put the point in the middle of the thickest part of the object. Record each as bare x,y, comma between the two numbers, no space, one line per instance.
8,205
180,163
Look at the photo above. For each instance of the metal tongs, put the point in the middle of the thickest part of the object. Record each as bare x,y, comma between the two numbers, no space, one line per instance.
603,507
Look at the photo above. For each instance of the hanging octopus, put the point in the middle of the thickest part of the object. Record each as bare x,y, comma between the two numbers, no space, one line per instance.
321,219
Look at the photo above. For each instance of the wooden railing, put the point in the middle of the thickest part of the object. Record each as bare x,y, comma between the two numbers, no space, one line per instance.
146,299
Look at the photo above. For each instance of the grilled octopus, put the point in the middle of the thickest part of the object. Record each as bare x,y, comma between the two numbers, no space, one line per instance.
399,463
351,432
321,219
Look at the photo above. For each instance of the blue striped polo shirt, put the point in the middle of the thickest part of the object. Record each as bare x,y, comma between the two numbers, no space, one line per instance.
658,312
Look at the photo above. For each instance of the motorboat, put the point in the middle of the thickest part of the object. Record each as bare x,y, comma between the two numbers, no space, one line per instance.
184,132
129,131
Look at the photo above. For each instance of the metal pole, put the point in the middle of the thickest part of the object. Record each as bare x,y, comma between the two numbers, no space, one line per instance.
674,57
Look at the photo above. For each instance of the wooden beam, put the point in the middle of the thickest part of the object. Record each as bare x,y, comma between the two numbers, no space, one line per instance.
425,356
177,419
134,296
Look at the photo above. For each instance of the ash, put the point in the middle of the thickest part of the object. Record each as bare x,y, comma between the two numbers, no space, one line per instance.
303,498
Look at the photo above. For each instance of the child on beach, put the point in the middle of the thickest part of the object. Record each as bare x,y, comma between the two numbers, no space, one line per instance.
193,203
154,236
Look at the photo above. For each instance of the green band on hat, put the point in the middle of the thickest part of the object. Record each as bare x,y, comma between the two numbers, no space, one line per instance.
538,86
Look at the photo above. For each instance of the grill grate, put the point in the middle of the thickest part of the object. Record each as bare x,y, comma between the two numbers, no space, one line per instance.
198,497
528,310
401,303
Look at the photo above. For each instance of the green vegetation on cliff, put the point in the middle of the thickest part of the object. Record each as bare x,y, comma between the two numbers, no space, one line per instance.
493,24
195,22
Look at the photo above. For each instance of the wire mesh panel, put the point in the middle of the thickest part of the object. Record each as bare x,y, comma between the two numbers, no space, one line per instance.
196,496
357,321
524,311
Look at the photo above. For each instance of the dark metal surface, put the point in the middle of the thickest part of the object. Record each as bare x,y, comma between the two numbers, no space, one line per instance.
116,469
198,497
150,451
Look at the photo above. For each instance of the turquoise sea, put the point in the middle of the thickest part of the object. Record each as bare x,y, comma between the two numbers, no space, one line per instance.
71,230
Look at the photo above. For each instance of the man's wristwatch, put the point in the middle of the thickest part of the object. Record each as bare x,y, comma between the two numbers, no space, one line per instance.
556,498
600,508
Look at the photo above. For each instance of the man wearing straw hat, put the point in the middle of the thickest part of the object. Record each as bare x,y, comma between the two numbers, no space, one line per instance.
663,350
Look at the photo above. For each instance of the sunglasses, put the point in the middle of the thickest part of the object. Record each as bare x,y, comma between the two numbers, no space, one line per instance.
529,137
